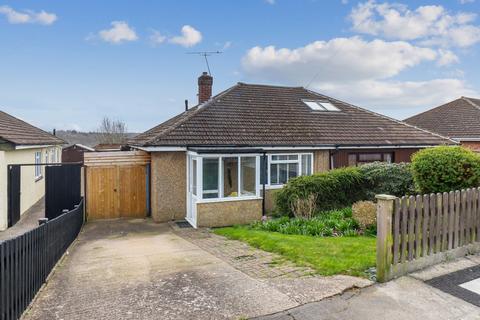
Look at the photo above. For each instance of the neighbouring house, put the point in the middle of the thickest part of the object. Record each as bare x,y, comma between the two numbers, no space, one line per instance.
74,153
459,120
220,162
22,143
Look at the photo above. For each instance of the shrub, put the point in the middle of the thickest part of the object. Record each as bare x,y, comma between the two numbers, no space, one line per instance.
365,213
387,178
443,169
304,207
333,189
326,224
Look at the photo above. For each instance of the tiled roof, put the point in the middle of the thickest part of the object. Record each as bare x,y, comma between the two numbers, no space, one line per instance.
19,132
261,115
457,119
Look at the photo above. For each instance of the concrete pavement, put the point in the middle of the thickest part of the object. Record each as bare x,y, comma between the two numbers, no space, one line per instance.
401,299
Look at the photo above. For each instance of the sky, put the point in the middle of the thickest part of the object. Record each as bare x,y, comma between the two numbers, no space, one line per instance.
68,64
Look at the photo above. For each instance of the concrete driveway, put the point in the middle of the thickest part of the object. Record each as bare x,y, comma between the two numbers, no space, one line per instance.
132,269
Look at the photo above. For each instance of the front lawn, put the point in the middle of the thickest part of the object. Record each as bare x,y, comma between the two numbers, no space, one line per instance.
327,255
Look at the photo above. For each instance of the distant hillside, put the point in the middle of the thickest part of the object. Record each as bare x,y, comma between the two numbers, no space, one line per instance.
86,138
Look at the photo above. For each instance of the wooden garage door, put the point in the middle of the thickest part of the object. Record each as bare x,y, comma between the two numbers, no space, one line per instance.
117,190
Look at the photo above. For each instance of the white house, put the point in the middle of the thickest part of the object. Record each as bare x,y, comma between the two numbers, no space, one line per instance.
22,143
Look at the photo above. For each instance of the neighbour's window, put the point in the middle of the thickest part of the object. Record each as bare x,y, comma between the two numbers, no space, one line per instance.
53,156
46,156
356,159
38,167
286,167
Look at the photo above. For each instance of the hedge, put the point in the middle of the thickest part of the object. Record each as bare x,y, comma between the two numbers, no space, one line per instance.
335,189
339,188
388,178
442,169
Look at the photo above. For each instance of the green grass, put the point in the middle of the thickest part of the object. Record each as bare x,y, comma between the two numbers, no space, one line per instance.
326,255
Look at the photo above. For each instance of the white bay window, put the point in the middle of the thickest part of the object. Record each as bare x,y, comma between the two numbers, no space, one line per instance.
225,177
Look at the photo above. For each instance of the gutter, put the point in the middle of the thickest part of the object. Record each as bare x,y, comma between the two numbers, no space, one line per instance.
279,148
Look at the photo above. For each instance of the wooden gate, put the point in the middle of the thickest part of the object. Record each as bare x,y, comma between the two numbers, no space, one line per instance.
117,184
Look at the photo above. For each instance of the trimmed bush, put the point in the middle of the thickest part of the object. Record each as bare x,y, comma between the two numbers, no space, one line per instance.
326,224
388,178
333,189
442,169
365,213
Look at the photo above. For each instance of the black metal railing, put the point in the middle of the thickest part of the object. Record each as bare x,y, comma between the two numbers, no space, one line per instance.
27,260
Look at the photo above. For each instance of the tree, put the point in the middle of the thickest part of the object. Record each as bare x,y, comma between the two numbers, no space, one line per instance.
112,131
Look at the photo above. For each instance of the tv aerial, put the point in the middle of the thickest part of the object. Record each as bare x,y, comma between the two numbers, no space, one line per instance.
205,54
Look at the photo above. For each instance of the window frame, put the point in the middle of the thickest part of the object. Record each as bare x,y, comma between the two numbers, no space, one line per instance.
221,197
318,105
38,168
268,184
383,157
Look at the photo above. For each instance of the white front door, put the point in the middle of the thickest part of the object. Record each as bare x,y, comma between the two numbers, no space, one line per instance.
192,191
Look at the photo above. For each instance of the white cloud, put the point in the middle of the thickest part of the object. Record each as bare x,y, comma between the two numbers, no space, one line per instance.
28,16
446,57
359,71
270,1
157,38
431,24
466,1
119,32
190,37
340,59
397,94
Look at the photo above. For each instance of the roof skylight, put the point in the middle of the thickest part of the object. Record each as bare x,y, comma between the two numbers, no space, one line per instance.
320,105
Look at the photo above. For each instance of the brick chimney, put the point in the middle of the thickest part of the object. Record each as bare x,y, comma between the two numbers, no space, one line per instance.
205,82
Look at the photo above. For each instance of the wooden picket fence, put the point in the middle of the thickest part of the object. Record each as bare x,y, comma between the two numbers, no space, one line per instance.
414,232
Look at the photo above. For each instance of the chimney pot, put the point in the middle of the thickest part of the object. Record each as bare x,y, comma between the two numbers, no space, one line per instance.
205,82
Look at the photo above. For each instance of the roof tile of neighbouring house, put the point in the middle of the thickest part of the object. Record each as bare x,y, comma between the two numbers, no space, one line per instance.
262,115
457,119
19,132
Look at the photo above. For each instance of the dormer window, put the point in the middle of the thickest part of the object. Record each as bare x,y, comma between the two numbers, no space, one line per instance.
320,105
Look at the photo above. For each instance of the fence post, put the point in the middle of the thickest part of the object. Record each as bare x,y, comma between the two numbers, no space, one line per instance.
385,207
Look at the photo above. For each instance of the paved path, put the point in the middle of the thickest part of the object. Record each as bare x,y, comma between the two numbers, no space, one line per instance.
135,269
27,222
402,299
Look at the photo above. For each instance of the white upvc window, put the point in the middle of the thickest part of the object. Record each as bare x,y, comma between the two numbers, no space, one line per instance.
38,167
283,167
226,177
53,156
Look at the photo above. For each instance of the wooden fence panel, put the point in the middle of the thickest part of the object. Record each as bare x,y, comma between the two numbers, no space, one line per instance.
425,229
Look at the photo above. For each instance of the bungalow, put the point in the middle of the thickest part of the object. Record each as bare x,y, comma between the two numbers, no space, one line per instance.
459,120
22,143
220,162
